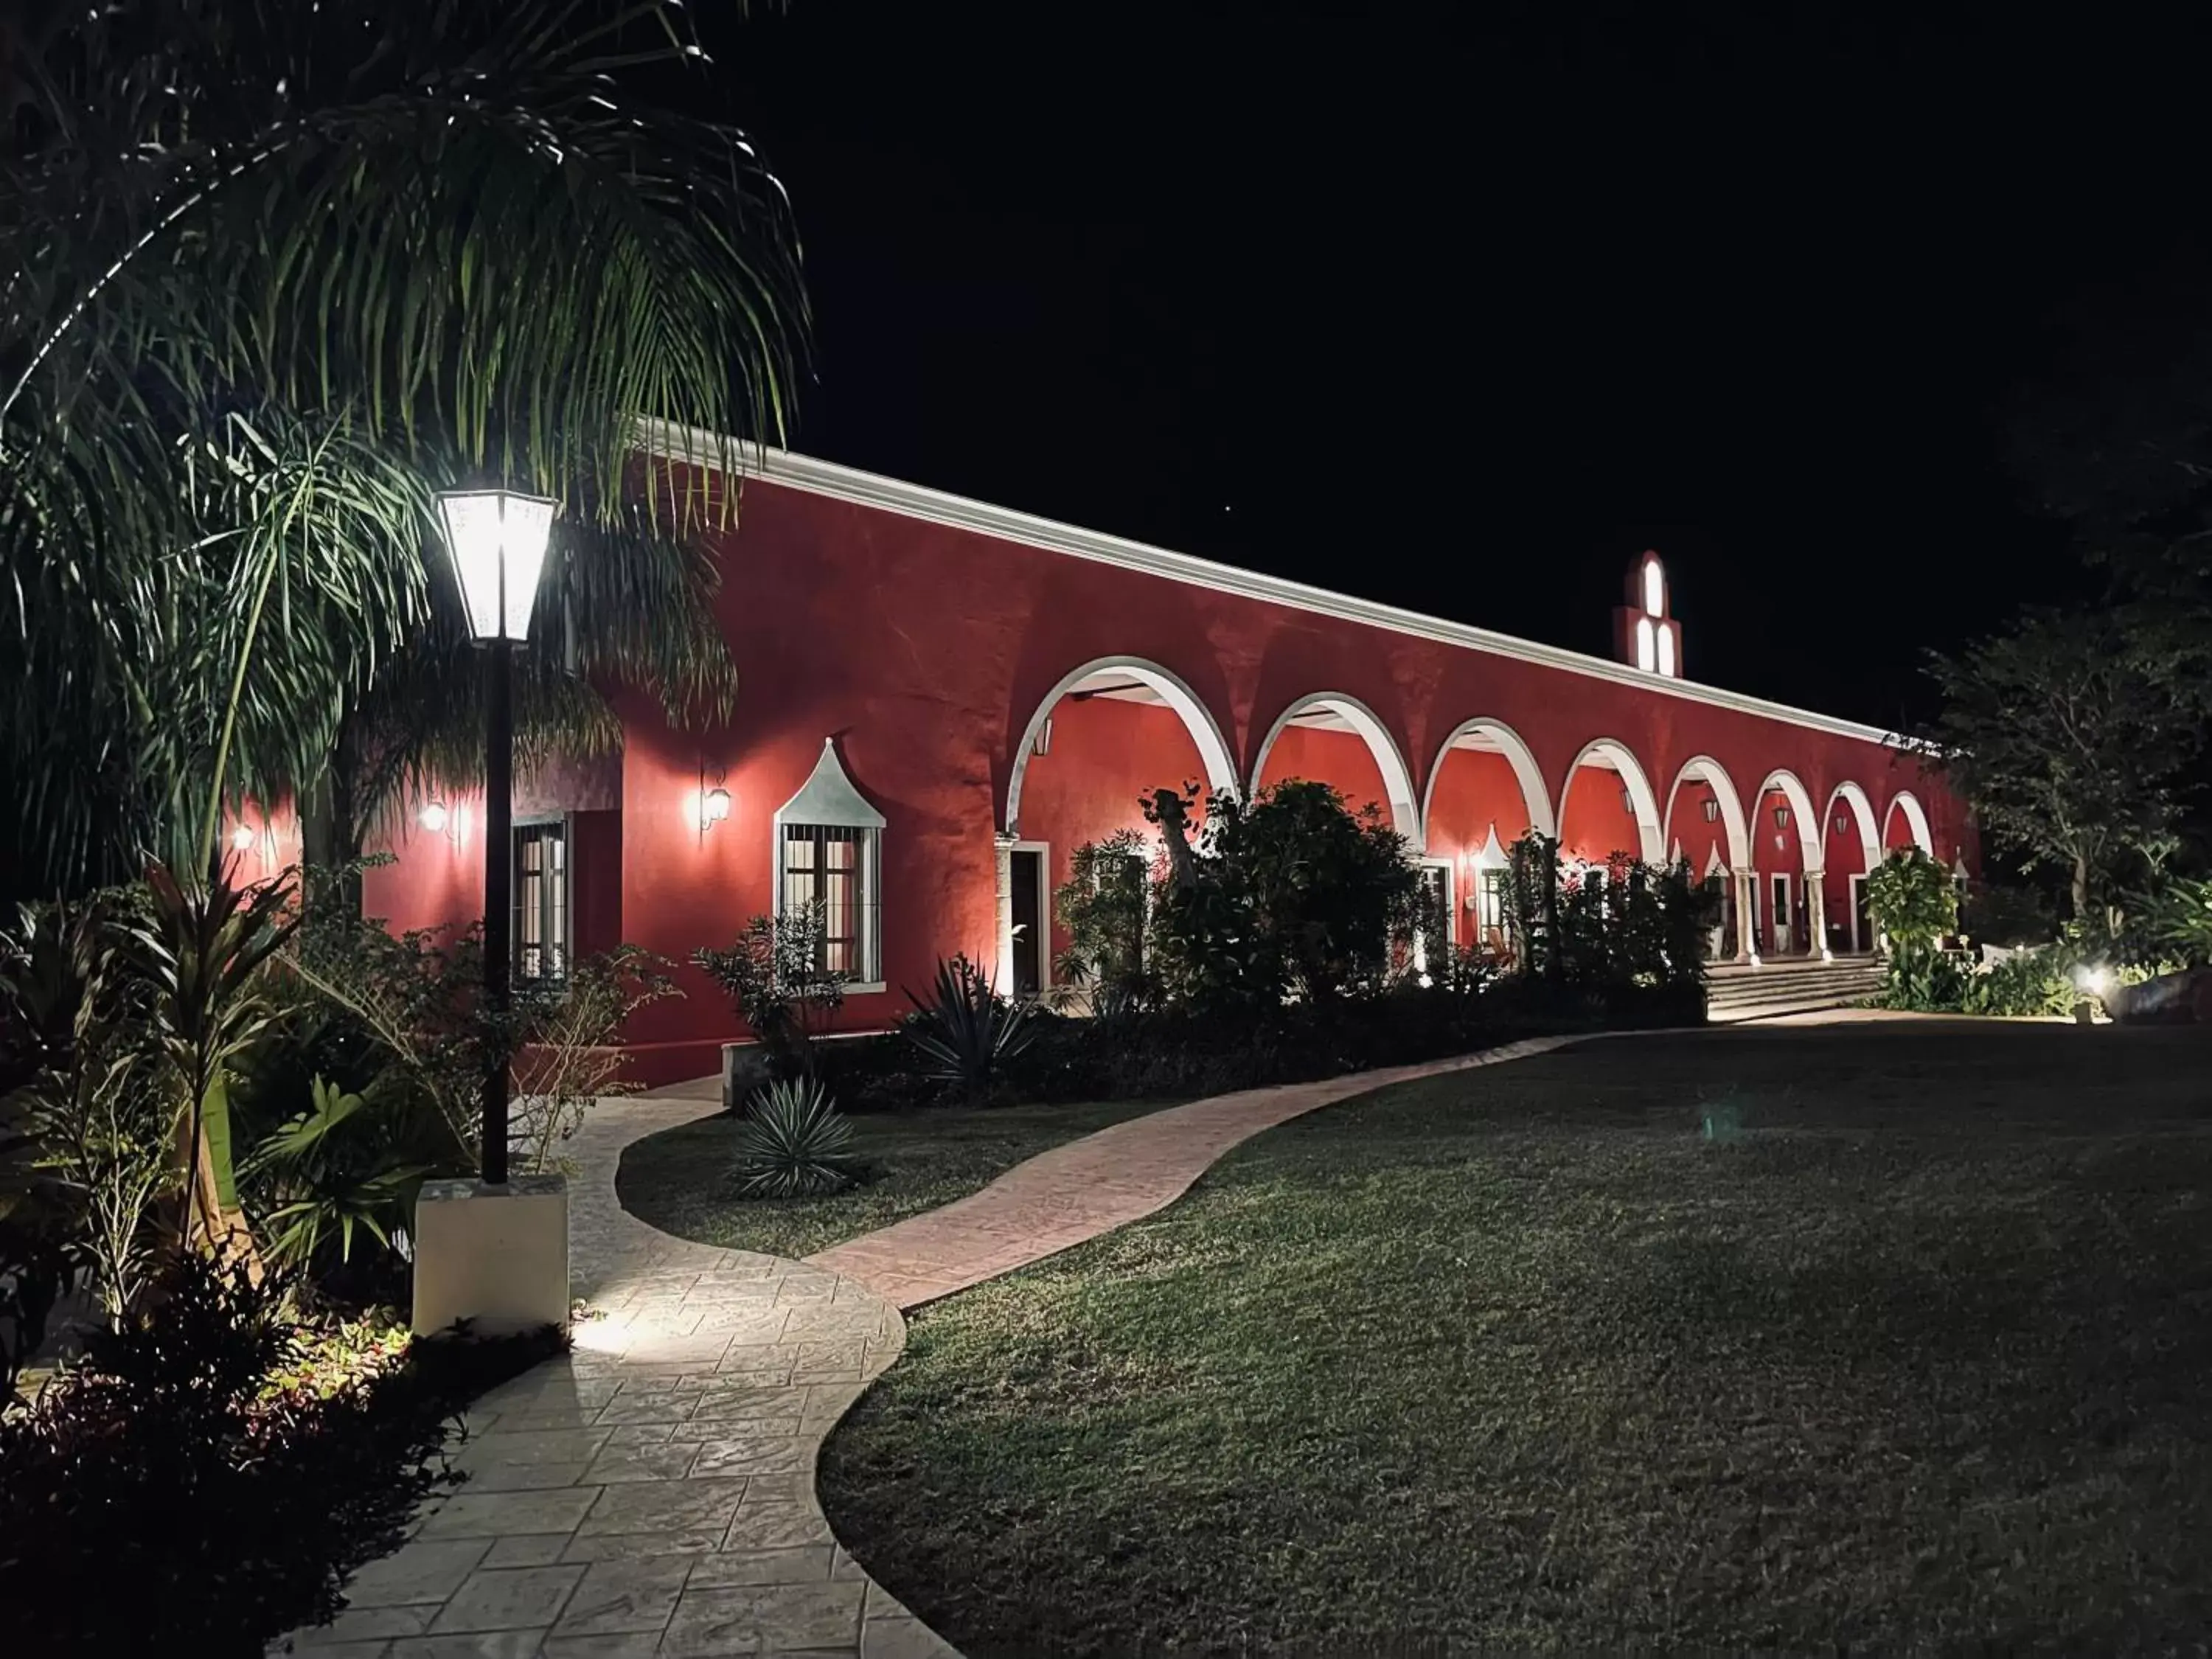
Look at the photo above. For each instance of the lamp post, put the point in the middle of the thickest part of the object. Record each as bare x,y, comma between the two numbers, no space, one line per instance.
498,543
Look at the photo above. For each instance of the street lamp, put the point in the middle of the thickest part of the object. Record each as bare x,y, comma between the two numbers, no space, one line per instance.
498,543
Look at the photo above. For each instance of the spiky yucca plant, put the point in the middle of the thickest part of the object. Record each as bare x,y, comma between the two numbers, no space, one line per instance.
967,1030
794,1143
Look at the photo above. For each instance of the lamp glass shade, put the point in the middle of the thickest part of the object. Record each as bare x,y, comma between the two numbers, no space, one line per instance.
1781,818
716,805
1712,809
498,543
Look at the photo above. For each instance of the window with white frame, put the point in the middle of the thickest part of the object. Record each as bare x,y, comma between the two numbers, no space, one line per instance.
1490,911
828,859
541,903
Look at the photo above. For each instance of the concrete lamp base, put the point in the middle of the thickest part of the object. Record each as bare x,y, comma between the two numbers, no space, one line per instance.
496,1256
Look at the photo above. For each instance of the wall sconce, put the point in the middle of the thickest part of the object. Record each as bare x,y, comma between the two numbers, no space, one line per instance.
1713,808
1781,818
1843,822
1042,744
434,816
713,802
240,838
1628,802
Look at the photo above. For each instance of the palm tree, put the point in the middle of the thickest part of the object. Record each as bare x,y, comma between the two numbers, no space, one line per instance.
276,273
279,272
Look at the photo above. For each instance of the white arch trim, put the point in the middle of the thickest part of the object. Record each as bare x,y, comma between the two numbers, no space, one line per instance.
1612,753
1907,802
1534,799
1197,719
1703,768
1861,815
1810,844
1397,777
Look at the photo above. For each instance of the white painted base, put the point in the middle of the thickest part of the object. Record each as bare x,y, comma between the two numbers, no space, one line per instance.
496,1256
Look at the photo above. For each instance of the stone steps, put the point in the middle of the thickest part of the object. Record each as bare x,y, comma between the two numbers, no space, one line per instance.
1734,993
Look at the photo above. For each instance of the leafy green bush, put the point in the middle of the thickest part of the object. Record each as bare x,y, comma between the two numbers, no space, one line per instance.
1930,982
794,1143
219,1491
2031,982
776,980
1623,922
1913,900
966,1031
1104,908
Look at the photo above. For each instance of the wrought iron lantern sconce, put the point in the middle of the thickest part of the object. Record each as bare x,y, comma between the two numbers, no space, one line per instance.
1043,742
1843,822
1713,808
1781,818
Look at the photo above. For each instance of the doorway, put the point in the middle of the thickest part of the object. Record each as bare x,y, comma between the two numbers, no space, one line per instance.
1030,907
1862,919
1778,909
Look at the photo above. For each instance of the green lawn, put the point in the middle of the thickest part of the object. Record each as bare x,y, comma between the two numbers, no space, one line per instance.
1520,1359
680,1179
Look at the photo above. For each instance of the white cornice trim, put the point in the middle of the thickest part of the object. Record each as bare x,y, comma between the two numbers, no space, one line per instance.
912,500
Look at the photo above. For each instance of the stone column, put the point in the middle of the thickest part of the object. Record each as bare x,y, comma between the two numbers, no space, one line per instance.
1747,936
1003,856
1816,914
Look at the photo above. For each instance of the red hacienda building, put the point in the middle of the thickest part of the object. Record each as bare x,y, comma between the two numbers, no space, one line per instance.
943,699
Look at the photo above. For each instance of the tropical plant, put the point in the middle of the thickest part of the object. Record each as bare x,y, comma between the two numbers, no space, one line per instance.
778,978
966,1031
794,1143
264,267
2176,919
1103,908
92,1122
1913,900
327,1183
201,957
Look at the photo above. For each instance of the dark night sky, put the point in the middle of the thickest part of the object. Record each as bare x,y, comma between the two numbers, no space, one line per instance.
1461,316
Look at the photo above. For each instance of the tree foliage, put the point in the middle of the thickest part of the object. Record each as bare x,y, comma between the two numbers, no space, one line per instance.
2072,734
1911,899
276,273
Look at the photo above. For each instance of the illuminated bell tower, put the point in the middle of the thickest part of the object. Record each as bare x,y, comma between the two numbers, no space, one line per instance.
1646,634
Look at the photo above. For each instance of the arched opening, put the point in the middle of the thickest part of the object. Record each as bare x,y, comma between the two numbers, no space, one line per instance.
1705,829
1485,791
1906,825
1103,738
1329,738
1854,848
1788,903
1607,806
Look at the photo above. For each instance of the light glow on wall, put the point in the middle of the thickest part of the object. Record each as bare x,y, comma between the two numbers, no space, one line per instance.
1666,650
1646,649
1654,589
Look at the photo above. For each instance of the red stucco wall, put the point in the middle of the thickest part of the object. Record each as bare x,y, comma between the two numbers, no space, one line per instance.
925,649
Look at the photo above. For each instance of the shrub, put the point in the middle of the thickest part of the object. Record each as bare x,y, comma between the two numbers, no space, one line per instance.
220,1500
1912,900
794,1143
1624,922
1104,907
2030,983
776,981
966,1031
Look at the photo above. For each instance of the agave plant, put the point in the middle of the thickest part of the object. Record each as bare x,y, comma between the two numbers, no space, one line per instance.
966,1031
794,1143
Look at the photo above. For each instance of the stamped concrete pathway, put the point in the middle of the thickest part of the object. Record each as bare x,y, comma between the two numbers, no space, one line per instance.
651,1493
1107,1180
